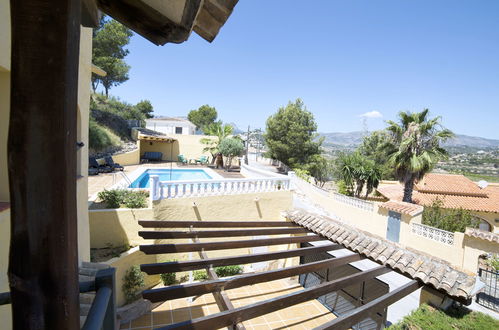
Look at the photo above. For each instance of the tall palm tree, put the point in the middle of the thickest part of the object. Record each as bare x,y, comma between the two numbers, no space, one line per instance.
417,140
221,131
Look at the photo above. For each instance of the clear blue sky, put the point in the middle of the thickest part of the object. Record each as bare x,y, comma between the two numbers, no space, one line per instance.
343,58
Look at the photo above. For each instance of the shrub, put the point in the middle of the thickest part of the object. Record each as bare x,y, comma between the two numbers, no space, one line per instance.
224,271
133,281
168,278
135,199
112,198
200,275
342,188
453,220
100,138
302,174
493,262
116,197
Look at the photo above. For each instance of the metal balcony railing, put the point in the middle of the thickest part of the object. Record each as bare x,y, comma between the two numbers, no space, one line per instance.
102,314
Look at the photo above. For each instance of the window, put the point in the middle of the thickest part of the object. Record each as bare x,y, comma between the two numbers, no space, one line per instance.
178,130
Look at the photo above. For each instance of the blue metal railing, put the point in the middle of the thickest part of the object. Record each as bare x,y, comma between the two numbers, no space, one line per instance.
102,313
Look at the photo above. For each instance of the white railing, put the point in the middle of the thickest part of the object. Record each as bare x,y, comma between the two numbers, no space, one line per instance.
197,188
356,202
433,233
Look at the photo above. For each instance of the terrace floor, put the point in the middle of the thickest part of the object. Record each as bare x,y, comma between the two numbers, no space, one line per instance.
307,315
97,183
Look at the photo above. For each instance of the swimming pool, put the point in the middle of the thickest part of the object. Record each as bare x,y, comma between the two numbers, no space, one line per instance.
142,181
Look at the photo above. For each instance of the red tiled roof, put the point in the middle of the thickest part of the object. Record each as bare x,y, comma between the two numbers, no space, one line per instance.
403,207
487,201
485,235
449,184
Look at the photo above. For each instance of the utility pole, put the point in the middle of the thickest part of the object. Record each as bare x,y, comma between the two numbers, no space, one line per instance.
247,145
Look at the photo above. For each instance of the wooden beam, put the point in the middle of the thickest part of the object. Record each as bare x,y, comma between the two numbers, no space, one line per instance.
43,260
195,289
214,224
145,20
264,307
220,233
90,14
179,266
210,246
361,313
221,298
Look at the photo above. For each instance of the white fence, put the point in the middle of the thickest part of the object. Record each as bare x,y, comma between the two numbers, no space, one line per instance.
433,233
200,188
356,202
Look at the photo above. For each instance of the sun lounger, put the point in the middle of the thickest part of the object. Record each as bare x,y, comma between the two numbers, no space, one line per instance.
202,160
92,163
182,160
110,162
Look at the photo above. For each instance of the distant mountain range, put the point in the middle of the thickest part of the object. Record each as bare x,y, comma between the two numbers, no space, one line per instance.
353,139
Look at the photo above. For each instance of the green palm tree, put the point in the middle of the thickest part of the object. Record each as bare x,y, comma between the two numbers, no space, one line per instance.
417,140
221,131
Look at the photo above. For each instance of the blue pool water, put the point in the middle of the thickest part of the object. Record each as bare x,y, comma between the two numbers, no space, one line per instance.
169,175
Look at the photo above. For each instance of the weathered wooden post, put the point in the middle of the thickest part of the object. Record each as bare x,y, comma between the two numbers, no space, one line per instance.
43,262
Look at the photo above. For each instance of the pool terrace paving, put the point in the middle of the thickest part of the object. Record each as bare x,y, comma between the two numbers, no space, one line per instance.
300,317
97,183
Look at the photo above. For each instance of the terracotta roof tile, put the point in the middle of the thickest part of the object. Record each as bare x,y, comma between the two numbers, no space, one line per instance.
487,202
485,235
429,270
402,207
451,184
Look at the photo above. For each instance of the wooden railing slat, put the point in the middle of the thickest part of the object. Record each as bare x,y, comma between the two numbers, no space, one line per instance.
210,246
178,266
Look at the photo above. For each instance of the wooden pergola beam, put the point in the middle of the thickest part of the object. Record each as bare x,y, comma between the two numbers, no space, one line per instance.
42,151
210,246
195,289
214,224
179,266
220,233
361,313
261,308
221,298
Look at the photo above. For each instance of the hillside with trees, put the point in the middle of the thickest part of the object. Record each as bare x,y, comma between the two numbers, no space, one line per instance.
110,117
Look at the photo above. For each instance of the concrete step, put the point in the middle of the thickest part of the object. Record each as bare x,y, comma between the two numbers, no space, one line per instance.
84,309
88,271
85,278
94,265
82,320
87,298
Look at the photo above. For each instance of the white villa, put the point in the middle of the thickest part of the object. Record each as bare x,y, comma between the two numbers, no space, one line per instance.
172,125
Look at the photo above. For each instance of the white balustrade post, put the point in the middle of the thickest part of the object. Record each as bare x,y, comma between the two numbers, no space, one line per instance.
153,186
292,178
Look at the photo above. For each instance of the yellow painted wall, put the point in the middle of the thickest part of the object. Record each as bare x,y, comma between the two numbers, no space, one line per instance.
4,35
4,130
116,226
120,226
228,207
123,263
188,145
5,310
84,78
128,158
463,253
473,248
